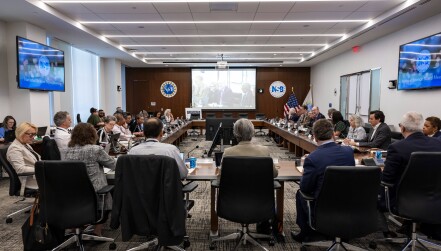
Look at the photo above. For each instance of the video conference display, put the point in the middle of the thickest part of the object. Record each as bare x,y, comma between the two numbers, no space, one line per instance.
420,64
224,89
39,66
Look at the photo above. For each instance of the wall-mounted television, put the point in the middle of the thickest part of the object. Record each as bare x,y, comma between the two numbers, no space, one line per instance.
39,67
420,64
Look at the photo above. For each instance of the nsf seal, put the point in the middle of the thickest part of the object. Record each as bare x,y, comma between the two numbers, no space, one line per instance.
277,89
169,89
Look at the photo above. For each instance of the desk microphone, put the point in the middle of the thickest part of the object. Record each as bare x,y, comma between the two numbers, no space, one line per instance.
188,155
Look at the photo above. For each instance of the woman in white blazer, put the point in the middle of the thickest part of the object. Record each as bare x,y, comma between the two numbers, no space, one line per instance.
20,153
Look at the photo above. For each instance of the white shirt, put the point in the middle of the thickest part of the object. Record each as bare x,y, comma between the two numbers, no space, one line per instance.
62,137
375,130
153,146
125,133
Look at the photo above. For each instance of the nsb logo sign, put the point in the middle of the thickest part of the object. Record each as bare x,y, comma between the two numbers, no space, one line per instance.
277,89
169,89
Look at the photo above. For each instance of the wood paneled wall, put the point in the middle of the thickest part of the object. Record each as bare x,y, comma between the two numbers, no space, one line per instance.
143,87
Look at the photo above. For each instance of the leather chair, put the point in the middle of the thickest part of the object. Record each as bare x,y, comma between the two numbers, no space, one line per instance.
227,115
418,196
346,206
396,136
68,199
147,198
78,118
17,182
246,199
210,115
243,115
50,149
260,116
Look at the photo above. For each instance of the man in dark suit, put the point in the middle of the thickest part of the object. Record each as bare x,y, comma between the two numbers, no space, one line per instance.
378,137
398,155
328,153
316,115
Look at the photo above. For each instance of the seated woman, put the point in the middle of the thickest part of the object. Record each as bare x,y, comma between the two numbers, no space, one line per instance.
340,128
122,128
21,155
82,147
103,133
356,130
168,116
9,123
431,127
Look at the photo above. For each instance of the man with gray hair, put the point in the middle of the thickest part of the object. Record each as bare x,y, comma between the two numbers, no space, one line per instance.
243,130
328,153
63,121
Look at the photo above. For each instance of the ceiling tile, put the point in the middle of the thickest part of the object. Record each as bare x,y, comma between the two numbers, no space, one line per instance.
282,7
364,15
248,7
331,15
199,7
270,26
130,17
120,8
218,16
381,6
70,8
322,6
177,17
242,27
172,7
176,27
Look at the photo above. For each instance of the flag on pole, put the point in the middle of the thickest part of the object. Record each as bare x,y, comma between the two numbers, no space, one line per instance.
308,100
292,103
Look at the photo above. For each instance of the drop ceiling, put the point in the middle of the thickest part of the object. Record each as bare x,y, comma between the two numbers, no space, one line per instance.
165,33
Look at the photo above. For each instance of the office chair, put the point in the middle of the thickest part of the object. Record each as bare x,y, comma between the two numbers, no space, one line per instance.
396,136
17,182
227,115
346,206
147,200
50,149
260,116
246,199
78,118
210,115
68,199
243,115
418,196
367,127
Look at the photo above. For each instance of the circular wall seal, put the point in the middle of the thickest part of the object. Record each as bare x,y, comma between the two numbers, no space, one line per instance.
277,89
169,89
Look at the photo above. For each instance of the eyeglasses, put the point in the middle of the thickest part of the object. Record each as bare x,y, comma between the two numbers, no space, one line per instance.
400,125
30,134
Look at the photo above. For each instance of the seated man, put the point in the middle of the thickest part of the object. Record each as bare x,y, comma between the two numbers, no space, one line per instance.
137,128
243,130
94,119
316,115
122,128
153,134
328,153
379,136
63,121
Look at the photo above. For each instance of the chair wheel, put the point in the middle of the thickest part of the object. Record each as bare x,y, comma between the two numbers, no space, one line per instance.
112,246
8,220
372,245
212,246
271,242
186,243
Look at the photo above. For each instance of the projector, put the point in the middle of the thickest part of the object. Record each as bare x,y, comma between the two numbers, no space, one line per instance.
222,64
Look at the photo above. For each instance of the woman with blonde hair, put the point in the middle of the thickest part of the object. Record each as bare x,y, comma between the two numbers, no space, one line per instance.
168,116
356,130
20,153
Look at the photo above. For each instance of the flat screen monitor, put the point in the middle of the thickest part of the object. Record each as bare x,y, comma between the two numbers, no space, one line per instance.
39,67
212,124
420,64
232,89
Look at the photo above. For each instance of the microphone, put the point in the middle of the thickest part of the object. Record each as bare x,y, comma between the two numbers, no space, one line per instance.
196,147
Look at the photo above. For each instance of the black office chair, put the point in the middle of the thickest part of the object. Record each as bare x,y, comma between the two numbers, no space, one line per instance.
210,115
148,198
396,136
243,115
246,199
17,182
69,201
418,196
227,115
260,116
367,127
78,118
50,149
346,206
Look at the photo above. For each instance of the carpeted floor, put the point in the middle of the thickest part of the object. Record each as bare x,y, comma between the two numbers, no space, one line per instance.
197,226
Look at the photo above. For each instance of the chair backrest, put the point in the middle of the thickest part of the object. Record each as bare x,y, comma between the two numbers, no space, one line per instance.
243,115
14,181
419,190
78,118
396,136
50,150
260,116
367,127
227,115
148,198
210,115
346,205
67,196
246,189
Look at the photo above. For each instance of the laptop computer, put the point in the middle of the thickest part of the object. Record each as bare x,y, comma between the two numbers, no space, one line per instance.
10,136
41,131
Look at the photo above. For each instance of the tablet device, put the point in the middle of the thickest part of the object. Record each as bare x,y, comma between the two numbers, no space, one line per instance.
41,131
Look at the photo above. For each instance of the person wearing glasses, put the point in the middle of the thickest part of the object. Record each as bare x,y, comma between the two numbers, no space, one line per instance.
20,153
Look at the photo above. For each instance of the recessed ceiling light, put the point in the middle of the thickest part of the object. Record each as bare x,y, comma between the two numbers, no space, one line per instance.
177,1
224,45
230,22
230,35
224,52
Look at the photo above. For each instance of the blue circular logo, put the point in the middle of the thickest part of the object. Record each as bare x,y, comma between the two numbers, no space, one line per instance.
277,89
423,61
169,89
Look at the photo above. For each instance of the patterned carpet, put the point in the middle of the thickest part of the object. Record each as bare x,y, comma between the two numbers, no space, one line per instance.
197,226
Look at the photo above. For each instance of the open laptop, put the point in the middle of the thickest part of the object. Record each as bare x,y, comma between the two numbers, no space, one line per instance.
10,136
41,131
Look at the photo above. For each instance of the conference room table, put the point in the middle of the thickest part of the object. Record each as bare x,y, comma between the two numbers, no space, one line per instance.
201,123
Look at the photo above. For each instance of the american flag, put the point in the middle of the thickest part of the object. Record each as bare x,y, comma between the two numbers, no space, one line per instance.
292,103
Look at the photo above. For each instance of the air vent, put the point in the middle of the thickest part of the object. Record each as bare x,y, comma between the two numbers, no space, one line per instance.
131,49
223,6
425,2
